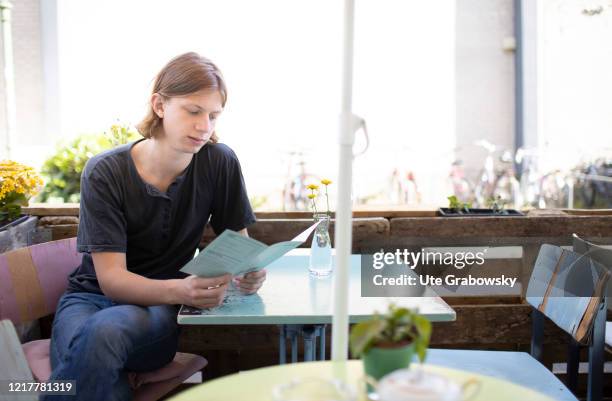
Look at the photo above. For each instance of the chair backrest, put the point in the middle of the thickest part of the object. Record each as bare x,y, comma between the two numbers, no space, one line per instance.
593,251
33,279
568,288
597,253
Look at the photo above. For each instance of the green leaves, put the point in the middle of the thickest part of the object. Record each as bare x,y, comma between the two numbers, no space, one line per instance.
421,341
399,325
497,204
10,206
63,170
364,334
455,203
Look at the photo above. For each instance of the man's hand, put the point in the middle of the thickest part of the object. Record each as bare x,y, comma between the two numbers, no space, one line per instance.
203,292
250,282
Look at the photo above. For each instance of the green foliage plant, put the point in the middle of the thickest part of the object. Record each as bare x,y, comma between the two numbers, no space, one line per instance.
62,171
497,204
398,327
455,204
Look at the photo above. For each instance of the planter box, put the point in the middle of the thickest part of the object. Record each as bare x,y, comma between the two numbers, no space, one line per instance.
448,212
17,234
19,220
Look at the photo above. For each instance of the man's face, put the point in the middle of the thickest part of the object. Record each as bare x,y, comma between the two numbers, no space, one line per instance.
189,121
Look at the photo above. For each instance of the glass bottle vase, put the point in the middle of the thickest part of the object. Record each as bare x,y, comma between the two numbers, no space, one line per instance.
321,249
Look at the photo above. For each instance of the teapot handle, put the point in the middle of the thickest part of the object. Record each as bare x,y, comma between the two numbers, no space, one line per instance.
365,381
370,380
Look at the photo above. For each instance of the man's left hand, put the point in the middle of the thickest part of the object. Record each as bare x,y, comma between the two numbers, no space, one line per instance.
250,282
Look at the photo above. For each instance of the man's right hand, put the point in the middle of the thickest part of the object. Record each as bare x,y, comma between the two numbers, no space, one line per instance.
203,292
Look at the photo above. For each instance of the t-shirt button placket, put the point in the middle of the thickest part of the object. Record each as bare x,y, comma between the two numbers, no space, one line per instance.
165,224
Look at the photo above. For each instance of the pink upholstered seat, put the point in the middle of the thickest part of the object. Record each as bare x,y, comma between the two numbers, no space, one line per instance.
148,386
37,355
31,282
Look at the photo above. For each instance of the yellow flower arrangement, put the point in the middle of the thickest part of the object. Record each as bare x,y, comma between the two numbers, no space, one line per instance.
314,188
17,184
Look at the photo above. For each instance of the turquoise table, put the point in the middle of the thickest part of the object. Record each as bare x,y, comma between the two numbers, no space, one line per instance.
257,384
302,305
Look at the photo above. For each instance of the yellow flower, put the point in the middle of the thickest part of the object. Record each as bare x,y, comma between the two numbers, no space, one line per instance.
311,196
312,187
325,181
16,178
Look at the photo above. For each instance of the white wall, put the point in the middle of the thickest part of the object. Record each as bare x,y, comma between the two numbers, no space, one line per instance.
484,78
576,61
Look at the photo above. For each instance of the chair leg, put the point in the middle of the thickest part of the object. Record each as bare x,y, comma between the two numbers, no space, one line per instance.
596,356
294,343
537,333
282,345
309,346
322,343
573,361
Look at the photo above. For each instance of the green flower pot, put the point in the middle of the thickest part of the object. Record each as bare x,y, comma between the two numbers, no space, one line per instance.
377,362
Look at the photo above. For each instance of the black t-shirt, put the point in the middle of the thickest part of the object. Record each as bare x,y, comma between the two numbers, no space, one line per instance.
157,231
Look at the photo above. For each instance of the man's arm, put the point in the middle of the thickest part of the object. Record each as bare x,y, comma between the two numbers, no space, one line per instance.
121,285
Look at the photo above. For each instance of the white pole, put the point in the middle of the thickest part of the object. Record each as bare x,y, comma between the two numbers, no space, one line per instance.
9,75
343,234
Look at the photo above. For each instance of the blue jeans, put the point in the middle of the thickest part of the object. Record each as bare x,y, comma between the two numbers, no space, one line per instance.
96,341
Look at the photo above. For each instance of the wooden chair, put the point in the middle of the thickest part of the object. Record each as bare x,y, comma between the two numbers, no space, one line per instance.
576,305
33,279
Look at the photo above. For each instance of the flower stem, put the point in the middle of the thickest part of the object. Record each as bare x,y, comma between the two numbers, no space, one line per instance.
327,199
314,206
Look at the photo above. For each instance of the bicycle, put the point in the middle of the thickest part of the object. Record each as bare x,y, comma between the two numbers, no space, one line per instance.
295,191
461,187
594,184
403,188
494,183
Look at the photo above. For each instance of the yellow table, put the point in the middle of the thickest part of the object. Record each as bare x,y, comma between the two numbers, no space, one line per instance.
257,384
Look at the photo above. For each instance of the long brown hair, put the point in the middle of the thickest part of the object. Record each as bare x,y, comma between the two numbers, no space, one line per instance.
183,75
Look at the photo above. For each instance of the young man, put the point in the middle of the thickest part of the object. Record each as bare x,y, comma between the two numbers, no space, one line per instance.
143,210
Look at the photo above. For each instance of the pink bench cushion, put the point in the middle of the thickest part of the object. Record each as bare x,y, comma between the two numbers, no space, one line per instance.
148,385
37,355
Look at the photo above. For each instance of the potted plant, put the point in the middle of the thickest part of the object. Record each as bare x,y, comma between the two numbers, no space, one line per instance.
497,207
17,184
389,342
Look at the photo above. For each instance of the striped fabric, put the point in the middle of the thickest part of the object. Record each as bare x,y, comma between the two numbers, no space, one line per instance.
32,279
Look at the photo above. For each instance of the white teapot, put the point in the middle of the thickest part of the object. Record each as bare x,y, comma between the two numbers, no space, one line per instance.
419,385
